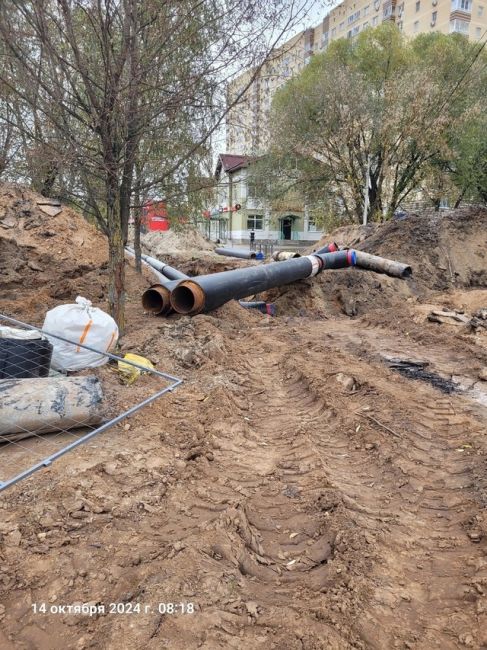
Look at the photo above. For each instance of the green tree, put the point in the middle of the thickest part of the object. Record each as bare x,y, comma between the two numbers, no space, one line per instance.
378,102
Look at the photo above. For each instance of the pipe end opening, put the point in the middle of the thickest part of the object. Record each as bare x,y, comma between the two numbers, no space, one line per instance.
188,298
155,300
407,272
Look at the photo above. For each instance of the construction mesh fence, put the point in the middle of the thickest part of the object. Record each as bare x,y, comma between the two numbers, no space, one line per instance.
45,413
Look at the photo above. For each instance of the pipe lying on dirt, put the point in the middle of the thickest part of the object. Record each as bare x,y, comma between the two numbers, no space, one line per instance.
329,248
235,252
280,256
383,265
34,406
338,259
157,298
160,278
169,272
207,292
268,308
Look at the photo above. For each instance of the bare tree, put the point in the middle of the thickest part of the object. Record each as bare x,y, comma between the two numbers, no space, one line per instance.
111,75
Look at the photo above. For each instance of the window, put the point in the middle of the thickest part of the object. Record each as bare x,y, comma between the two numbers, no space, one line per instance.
349,34
478,32
418,5
480,11
461,5
333,32
355,30
433,18
375,20
255,222
353,17
366,10
416,26
340,26
400,25
312,227
251,189
459,26
365,25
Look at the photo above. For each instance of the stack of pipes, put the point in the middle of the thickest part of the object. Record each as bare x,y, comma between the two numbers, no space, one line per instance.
185,295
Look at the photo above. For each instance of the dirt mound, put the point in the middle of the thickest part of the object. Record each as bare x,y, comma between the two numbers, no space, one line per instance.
187,240
445,250
51,257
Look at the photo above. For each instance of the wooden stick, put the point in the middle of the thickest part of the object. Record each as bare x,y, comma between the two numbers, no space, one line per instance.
366,415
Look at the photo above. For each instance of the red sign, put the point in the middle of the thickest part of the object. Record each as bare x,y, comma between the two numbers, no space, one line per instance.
154,215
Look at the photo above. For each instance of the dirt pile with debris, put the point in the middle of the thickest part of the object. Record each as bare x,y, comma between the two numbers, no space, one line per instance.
186,240
50,257
445,250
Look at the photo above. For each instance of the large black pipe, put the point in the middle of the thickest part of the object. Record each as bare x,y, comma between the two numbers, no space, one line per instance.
160,277
169,271
235,252
207,292
383,265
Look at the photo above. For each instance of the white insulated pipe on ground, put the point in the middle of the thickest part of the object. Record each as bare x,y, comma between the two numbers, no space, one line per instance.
30,407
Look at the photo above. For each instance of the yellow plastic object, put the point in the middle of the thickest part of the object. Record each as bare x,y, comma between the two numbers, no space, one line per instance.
131,373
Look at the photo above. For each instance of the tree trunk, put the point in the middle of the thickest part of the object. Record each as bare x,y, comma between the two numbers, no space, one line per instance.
137,247
49,180
459,200
116,266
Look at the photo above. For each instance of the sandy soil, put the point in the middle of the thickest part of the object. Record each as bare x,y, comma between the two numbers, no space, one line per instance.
296,491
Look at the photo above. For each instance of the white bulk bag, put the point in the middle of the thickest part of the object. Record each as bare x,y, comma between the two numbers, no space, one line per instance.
84,324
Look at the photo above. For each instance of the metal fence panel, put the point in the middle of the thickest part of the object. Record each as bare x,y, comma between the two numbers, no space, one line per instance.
39,426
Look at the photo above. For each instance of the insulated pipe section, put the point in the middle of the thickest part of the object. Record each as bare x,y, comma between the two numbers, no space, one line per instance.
235,252
338,260
168,271
329,248
207,292
160,278
383,265
280,256
157,298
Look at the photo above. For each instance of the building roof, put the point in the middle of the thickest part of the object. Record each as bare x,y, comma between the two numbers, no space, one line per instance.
230,162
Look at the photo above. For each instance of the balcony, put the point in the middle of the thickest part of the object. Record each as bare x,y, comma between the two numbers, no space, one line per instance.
460,10
389,11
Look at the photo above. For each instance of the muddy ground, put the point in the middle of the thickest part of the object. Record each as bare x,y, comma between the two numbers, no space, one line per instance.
297,492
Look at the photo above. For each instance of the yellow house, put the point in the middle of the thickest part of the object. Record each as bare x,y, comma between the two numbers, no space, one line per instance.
238,212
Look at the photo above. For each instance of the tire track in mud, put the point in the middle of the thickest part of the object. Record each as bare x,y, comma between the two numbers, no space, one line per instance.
301,533
267,518
361,546
419,497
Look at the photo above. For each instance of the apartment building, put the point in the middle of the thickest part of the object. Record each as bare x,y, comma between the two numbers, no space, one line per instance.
238,211
247,131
